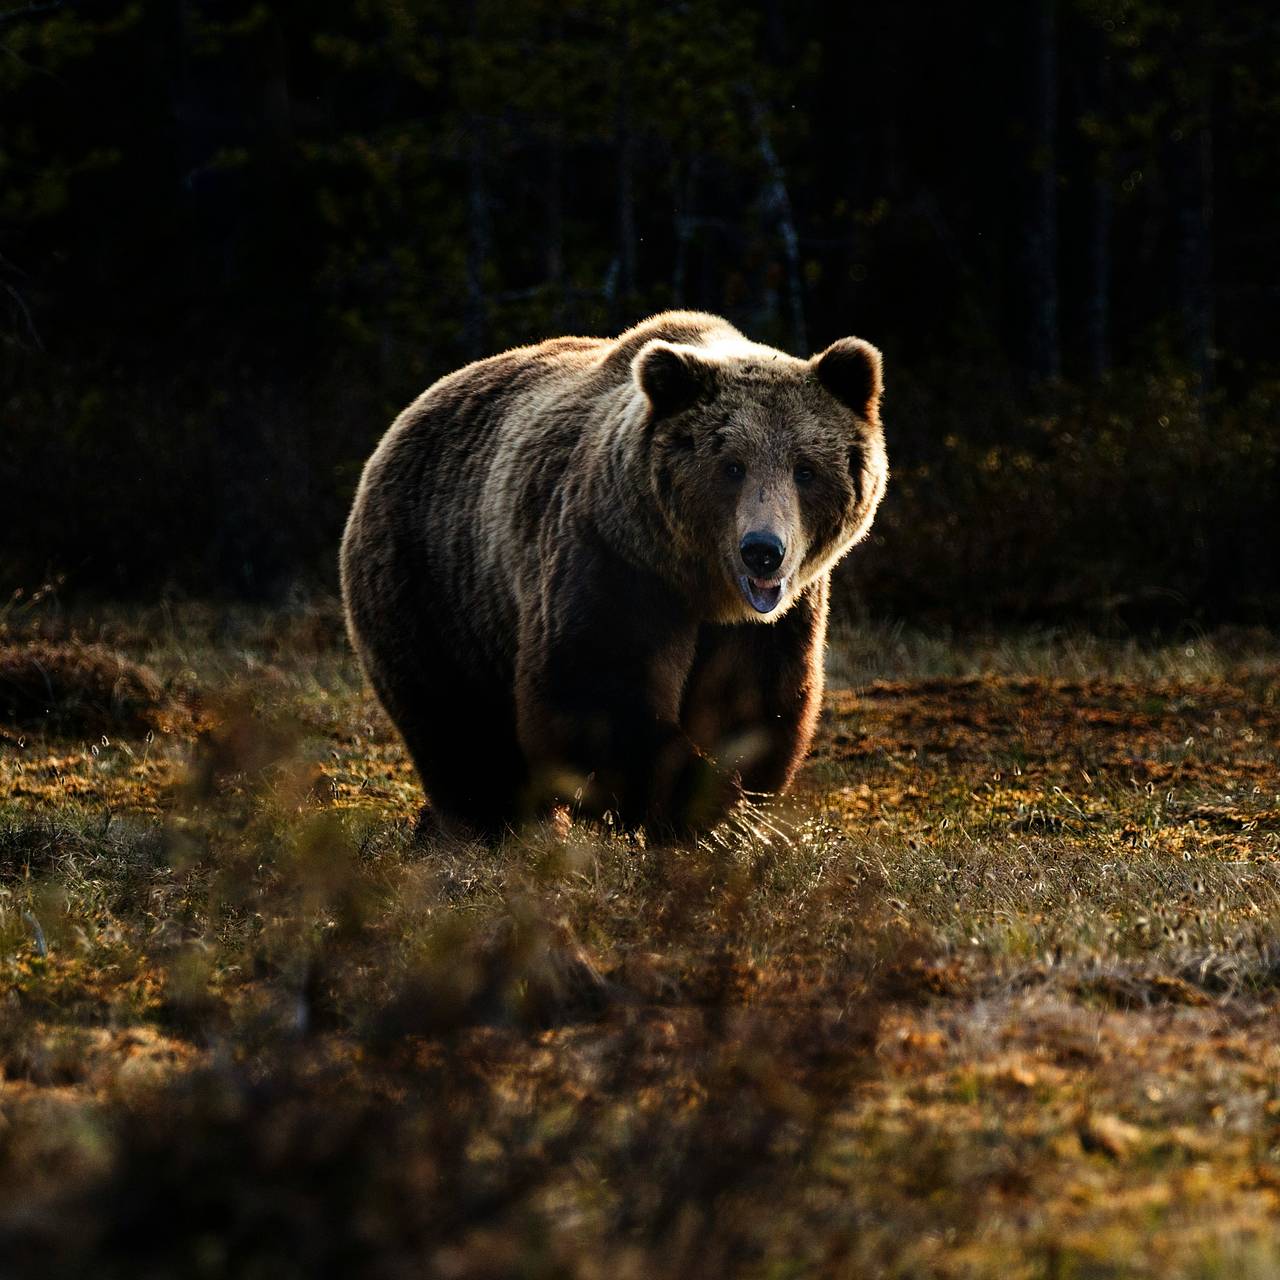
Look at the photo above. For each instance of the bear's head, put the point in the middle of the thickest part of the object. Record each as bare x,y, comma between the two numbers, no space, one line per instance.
766,469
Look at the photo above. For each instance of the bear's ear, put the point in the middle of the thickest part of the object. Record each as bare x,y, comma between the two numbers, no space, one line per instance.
671,377
852,370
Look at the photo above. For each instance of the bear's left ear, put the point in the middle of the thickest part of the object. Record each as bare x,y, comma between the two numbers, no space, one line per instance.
672,377
852,370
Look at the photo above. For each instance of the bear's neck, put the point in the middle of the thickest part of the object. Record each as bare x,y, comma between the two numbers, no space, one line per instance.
628,518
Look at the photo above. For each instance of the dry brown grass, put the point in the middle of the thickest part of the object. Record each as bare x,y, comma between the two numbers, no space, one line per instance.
74,689
993,995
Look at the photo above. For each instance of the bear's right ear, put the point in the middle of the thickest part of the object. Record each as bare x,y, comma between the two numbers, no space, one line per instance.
852,370
671,377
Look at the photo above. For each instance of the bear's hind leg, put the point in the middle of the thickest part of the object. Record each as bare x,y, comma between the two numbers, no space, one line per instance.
462,742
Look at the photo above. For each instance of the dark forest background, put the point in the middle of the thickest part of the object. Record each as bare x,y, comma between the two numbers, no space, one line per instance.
236,238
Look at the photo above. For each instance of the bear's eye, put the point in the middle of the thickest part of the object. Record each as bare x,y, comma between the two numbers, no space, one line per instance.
734,470
804,474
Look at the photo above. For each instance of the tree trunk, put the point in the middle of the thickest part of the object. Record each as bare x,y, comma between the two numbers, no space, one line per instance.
1193,187
555,223
1040,247
626,284
476,321
553,189
685,224
475,317
778,203
1098,309
1101,209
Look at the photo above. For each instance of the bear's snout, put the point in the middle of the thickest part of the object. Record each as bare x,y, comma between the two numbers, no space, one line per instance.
762,552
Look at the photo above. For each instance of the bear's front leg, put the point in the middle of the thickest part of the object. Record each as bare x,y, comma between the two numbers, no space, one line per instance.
603,661
755,691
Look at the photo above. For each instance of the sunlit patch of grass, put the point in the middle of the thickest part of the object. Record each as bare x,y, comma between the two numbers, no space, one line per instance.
865,652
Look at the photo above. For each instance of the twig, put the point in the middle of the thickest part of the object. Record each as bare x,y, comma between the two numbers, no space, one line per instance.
42,947
24,313
29,11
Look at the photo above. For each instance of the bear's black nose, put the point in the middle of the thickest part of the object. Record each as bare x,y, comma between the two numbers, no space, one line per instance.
762,553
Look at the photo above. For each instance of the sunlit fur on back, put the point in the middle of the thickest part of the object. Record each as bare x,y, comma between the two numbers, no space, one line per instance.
542,569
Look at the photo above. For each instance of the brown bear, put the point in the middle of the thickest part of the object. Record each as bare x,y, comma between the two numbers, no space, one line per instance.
595,571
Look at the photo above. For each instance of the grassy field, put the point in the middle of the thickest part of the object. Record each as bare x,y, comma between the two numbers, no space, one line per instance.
993,995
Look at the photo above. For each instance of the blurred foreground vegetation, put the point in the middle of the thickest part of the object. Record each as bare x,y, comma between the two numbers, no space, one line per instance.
993,995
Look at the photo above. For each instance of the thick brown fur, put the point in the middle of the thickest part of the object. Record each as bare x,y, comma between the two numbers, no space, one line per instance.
543,580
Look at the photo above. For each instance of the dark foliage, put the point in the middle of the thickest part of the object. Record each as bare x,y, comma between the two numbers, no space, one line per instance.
235,238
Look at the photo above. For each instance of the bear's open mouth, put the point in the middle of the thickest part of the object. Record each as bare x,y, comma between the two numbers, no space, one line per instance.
762,595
